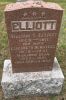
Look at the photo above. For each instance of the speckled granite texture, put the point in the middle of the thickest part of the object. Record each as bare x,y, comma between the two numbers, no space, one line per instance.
31,83
32,4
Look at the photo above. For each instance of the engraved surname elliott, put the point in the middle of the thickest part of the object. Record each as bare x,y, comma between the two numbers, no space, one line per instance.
42,25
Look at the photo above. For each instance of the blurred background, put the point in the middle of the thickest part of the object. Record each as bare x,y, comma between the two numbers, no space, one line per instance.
60,52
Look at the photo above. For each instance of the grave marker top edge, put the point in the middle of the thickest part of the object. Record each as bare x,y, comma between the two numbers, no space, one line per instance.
31,4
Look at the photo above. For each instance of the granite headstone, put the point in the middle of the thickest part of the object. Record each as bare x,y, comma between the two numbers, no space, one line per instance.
33,29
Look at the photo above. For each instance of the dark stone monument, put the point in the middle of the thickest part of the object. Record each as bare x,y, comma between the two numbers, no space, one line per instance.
33,29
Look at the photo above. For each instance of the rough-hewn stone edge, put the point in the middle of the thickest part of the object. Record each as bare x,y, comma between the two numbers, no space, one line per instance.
35,82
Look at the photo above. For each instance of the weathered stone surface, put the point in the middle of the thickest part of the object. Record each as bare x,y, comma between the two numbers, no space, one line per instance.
33,34
20,0
31,83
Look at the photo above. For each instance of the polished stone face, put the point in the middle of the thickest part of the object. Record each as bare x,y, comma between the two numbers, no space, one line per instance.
33,33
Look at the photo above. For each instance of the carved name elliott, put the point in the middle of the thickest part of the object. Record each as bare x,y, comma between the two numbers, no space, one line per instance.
33,25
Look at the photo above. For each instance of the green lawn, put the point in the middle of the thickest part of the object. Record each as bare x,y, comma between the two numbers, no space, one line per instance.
61,48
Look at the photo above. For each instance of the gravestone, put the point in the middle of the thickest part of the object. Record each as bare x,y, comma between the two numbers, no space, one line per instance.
33,28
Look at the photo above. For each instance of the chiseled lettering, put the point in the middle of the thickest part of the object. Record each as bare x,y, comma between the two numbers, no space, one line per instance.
42,25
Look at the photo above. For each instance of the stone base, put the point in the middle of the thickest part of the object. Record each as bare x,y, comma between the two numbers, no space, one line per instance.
31,83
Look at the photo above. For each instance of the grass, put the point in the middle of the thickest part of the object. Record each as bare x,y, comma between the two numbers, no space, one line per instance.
61,48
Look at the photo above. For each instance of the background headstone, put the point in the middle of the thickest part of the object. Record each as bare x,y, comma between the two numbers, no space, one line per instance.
33,29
